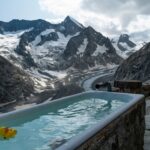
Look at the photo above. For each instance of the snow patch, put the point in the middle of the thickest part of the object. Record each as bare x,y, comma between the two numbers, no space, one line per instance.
37,40
59,75
19,32
118,51
41,82
100,50
47,31
8,42
125,45
82,47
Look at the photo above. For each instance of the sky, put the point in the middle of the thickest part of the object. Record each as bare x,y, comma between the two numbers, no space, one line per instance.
107,16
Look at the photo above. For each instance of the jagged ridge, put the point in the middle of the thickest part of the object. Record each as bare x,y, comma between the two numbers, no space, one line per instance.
136,66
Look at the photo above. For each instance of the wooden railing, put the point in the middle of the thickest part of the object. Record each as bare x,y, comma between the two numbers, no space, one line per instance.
133,86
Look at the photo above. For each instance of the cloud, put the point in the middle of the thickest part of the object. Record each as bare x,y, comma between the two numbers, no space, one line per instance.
103,24
141,23
125,11
60,8
107,16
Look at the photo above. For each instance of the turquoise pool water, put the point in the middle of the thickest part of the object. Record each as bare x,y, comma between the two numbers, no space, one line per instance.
59,123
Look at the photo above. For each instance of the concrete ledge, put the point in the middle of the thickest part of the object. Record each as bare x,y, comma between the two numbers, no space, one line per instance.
125,133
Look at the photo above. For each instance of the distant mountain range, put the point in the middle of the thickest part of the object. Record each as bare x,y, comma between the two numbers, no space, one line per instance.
45,51
47,46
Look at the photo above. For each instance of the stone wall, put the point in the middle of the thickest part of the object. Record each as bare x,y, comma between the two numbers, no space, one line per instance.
124,133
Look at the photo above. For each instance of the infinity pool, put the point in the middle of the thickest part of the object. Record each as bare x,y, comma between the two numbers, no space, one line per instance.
47,126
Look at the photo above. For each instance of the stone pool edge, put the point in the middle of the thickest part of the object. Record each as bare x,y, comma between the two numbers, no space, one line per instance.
83,140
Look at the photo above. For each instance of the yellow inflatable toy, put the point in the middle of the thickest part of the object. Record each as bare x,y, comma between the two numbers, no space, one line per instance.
7,133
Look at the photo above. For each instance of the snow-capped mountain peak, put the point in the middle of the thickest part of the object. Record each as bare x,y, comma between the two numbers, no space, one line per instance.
70,19
90,48
125,45
70,26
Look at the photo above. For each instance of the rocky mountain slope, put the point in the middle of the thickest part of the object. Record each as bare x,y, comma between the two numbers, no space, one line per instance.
15,84
90,48
137,66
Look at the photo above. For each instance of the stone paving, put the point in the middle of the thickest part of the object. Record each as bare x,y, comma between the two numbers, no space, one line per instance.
147,122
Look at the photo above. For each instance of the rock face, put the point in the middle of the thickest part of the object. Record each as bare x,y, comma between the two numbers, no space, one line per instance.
16,25
90,48
15,84
21,50
69,26
137,66
124,39
1,31
53,36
